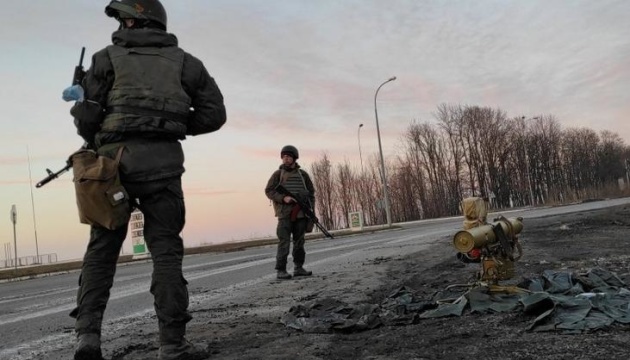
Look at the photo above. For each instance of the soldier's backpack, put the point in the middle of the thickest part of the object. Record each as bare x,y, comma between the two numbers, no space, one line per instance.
101,198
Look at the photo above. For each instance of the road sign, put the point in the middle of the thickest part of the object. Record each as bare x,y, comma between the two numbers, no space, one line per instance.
136,227
356,220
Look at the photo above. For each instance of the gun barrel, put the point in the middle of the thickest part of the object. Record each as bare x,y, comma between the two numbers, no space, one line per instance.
323,230
51,176
478,237
45,181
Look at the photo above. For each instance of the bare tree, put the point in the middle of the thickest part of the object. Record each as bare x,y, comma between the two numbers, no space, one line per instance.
544,151
413,163
579,160
429,150
495,151
324,191
343,192
361,188
403,194
450,119
610,157
474,151
517,166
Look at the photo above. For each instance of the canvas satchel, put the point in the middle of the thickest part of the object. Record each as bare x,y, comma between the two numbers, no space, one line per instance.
101,199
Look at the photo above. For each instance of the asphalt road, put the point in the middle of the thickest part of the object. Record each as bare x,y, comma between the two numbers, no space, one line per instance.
34,313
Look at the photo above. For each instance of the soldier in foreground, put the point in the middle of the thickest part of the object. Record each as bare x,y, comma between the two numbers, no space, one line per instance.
291,219
143,94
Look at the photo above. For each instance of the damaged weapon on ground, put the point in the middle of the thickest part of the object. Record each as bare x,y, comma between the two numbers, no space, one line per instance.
306,208
495,245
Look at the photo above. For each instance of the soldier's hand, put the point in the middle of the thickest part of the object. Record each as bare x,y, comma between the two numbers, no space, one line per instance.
288,200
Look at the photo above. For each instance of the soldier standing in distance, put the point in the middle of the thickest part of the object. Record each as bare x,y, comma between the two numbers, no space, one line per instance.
291,220
145,94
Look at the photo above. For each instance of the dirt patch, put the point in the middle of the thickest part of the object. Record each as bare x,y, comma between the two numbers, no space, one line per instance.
238,328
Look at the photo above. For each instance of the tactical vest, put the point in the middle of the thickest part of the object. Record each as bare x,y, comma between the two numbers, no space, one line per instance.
293,181
147,94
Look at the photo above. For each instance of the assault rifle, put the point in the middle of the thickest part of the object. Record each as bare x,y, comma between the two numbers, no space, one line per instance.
306,208
77,77
54,175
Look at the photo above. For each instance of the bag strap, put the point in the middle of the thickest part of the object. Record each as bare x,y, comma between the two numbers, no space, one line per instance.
302,178
119,154
305,188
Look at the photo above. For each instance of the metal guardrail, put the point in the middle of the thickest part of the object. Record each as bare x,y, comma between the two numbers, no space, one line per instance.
29,260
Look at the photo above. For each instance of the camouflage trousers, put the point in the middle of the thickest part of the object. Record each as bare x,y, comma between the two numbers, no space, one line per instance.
285,231
162,204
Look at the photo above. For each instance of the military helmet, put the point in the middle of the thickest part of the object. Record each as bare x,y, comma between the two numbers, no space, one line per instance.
291,151
137,9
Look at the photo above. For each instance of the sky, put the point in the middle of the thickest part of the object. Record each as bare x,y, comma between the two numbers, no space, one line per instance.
303,73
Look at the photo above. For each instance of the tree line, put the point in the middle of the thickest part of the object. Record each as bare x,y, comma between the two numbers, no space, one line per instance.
474,151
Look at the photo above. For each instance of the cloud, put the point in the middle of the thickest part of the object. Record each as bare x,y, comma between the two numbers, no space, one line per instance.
305,72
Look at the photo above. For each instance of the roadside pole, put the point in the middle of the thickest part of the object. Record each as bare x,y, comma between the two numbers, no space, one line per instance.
14,221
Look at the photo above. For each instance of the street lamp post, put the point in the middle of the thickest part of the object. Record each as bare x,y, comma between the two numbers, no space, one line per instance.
380,150
359,137
529,181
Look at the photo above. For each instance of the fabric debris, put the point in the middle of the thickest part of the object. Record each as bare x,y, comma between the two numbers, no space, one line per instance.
562,301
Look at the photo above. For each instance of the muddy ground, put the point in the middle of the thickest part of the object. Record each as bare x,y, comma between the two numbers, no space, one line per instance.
250,328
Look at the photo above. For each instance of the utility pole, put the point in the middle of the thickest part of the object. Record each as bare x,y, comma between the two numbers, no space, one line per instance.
359,137
14,221
30,179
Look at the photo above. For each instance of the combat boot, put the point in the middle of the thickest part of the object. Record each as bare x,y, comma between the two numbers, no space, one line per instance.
283,275
183,351
88,347
174,346
300,271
